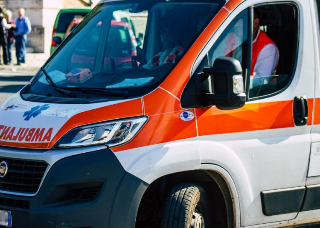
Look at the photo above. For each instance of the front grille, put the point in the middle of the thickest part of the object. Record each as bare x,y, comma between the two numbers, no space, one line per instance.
23,204
89,194
23,176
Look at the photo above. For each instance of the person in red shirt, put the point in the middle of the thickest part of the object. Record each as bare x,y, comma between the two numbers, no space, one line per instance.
265,55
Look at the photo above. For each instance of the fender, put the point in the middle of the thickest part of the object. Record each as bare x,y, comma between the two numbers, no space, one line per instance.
152,162
219,154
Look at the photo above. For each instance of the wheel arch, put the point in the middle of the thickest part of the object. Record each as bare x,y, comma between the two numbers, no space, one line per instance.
156,163
212,178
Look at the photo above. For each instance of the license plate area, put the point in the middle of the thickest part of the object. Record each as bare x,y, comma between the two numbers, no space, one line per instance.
5,218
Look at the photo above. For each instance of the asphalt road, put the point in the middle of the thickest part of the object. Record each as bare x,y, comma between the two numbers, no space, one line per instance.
10,83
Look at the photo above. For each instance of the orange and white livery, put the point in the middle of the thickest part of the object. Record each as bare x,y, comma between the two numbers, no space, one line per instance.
187,143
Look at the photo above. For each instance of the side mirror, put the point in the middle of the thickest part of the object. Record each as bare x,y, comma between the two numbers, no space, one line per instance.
56,40
222,85
227,87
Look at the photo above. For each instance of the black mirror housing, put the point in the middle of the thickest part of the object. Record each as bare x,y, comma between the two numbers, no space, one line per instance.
222,85
227,84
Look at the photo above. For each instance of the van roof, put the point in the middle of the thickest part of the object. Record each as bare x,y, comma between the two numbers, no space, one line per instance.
82,9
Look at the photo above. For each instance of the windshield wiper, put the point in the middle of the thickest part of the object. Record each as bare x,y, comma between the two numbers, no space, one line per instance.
54,86
99,91
68,90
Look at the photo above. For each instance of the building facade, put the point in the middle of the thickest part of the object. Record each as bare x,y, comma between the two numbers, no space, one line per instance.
42,14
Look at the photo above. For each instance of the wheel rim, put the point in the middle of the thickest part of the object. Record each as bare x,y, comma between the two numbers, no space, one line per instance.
197,220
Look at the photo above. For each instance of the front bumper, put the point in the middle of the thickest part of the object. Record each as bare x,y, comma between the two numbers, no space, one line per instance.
89,190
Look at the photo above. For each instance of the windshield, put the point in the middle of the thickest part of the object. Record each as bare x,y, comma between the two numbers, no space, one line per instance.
121,50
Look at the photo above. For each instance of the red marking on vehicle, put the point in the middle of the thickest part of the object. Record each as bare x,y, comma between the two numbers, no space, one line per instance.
13,134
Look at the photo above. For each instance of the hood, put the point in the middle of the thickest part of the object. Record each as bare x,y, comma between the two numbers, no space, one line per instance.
36,125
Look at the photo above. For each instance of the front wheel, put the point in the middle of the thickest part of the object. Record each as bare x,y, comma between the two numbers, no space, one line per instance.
186,206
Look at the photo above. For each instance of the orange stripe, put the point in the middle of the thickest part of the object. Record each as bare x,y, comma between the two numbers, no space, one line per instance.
169,127
232,4
317,112
162,128
159,102
25,145
310,111
121,110
251,117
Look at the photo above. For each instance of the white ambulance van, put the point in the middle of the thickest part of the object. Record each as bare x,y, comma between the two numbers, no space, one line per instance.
185,133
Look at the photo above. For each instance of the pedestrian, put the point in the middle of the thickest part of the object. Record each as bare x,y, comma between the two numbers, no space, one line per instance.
3,37
23,28
10,35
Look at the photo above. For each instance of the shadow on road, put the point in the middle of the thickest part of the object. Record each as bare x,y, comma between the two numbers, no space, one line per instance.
10,88
16,78
310,226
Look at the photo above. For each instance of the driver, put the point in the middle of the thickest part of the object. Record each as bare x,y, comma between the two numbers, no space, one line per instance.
170,37
265,55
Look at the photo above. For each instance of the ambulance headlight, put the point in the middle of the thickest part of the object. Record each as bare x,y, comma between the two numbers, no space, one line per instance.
111,133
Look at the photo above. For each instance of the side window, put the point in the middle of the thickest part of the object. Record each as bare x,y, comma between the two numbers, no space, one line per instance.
274,46
232,43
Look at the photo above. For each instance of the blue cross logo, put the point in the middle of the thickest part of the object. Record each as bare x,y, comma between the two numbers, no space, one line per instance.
35,111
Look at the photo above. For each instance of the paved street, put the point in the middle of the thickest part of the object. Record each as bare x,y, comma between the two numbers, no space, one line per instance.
10,83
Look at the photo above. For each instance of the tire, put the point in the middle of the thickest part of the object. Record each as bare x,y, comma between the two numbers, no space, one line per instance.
186,205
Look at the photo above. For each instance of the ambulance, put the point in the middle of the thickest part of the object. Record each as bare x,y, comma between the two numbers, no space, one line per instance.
180,135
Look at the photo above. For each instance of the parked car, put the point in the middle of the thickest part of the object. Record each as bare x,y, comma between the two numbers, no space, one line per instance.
63,20
121,48
68,19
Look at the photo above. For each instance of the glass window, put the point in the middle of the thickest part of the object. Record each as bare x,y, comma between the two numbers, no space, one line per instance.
84,54
274,47
318,10
121,45
122,50
231,43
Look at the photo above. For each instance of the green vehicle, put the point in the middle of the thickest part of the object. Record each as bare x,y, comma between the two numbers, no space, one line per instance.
63,20
67,18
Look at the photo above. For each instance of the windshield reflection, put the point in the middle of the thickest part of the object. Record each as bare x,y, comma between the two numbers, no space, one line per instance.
123,48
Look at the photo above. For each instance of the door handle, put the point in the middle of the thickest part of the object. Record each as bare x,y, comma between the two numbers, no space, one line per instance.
300,110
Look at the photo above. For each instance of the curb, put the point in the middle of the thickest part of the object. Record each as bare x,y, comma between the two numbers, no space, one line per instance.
17,69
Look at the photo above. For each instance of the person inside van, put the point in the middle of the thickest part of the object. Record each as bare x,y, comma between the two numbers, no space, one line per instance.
170,38
265,55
